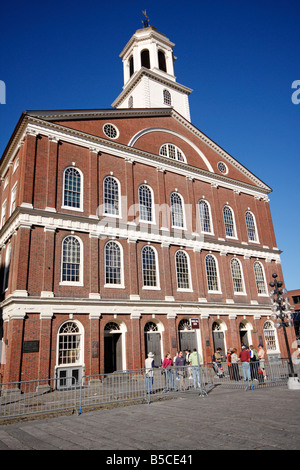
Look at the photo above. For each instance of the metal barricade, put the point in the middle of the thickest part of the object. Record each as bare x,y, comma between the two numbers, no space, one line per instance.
58,394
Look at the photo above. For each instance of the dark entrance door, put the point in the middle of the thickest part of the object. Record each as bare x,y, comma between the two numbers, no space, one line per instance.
112,352
218,337
187,340
152,344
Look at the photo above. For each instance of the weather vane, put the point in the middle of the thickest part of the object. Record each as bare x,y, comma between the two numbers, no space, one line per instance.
146,21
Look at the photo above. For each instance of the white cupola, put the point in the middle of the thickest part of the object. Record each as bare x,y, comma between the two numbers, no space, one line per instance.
149,80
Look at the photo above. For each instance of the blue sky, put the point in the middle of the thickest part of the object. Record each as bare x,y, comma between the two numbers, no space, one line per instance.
239,57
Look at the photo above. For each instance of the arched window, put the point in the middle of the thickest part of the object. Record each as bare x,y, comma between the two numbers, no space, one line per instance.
251,228
69,344
146,203
172,151
205,219
149,267
237,278
71,260
131,66
229,222
113,264
111,196
72,197
177,210
182,270
211,273
259,278
162,61
167,97
270,336
145,59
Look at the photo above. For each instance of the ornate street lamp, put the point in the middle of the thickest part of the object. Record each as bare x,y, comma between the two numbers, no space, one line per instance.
281,313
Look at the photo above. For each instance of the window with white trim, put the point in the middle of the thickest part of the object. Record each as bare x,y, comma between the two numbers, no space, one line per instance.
3,213
113,264
110,130
177,210
229,222
251,227
167,97
205,218
173,152
149,267
211,273
182,270
71,271
69,344
111,197
270,336
259,278
237,278
13,199
146,203
72,197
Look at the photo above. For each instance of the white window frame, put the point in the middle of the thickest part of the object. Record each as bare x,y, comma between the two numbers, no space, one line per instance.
110,214
152,221
184,289
167,97
13,199
260,294
209,214
67,282
80,208
165,151
121,284
255,227
276,350
243,292
234,236
3,212
183,226
80,361
219,291
157,286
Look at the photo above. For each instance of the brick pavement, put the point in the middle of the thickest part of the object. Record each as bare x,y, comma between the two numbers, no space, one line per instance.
264,419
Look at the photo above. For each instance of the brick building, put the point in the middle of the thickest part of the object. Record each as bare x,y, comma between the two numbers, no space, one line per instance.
118,226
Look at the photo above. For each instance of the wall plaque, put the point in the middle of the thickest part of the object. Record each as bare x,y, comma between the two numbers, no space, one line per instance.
31,346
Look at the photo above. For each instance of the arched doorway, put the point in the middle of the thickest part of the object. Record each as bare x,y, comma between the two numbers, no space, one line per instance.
152,333
187,336
113,348
245,333
218,331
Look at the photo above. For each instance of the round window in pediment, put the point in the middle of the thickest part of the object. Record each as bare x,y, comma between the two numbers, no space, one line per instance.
110,131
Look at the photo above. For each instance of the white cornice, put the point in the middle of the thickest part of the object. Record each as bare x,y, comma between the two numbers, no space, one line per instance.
105,228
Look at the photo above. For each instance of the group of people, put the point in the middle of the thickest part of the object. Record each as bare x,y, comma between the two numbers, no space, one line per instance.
251,359
185,365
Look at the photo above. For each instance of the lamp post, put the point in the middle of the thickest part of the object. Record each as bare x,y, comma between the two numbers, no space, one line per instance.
281,313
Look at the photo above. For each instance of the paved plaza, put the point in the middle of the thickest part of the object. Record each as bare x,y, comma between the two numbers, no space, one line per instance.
227,419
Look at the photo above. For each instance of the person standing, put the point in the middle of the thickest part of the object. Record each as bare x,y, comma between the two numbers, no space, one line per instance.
253,362
235,365
245,360
167,366
195,360
261,357
180,365
149,366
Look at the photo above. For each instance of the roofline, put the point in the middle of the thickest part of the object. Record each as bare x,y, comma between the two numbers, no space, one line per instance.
71,114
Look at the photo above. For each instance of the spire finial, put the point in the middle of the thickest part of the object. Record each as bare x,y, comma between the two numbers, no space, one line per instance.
146,20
